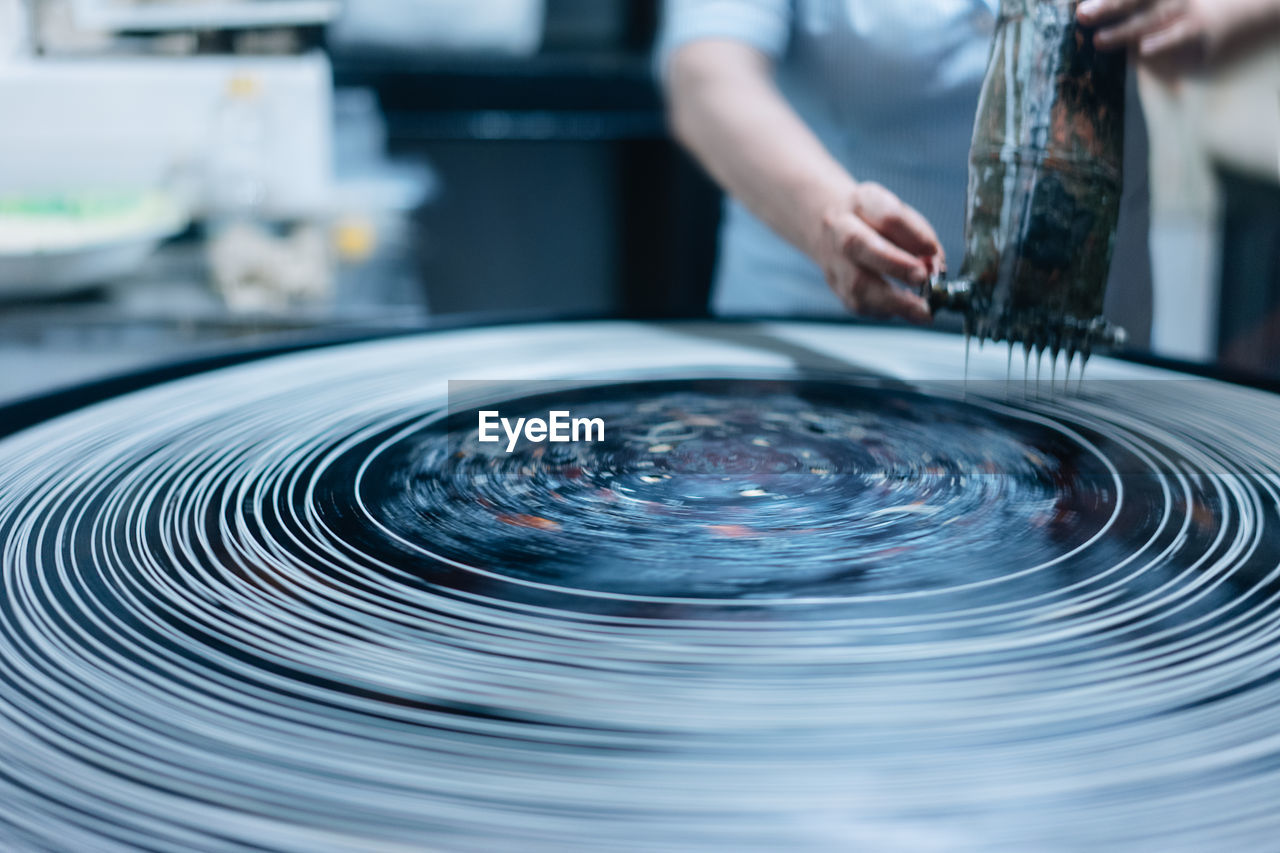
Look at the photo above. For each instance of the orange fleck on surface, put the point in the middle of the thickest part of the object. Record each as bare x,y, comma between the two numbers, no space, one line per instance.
534,521
731,531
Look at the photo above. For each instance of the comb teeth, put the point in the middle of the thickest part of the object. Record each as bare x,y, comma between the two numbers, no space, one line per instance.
1042,329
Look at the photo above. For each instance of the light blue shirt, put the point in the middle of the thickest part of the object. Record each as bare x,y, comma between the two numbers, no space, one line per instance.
891,88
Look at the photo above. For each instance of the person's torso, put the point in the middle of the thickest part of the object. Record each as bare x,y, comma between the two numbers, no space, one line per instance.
891,88
865,55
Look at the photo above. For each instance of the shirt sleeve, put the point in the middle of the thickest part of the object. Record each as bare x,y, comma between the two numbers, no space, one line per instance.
762,24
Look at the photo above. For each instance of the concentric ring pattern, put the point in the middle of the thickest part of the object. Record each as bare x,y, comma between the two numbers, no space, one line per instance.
808,593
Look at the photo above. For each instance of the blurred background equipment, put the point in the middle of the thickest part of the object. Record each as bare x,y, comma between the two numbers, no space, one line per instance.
187,125
560,190
15,30
49,244
1216,214
511,27
341,164
179,15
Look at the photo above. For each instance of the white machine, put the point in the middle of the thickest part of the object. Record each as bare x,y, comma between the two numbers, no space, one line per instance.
89,116
154,15
146,123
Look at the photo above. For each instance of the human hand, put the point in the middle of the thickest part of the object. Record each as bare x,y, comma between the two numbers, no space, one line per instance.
869,237
1177,34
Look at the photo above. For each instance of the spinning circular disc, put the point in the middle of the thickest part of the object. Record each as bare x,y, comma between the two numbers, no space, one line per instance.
809,590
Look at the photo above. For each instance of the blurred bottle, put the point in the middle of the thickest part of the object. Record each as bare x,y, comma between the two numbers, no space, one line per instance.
374,200
15,30
237,186
253,268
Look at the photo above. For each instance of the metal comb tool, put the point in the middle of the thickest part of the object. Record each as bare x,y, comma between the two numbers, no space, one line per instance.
1045,180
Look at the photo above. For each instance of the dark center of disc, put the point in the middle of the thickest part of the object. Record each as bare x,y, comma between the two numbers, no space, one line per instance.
742,489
